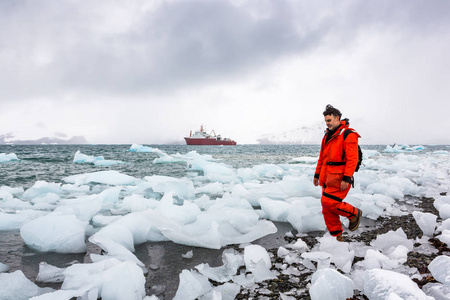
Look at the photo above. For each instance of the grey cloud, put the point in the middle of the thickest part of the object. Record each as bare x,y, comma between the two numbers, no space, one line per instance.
55,47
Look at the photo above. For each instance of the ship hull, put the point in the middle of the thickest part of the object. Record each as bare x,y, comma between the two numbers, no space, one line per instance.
208,142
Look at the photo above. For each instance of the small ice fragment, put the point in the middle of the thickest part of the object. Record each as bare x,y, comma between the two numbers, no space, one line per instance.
188,254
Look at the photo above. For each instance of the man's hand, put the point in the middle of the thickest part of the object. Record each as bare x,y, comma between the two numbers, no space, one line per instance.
316,181
344,185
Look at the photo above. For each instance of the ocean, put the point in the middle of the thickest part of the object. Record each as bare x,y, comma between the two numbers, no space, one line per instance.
51,163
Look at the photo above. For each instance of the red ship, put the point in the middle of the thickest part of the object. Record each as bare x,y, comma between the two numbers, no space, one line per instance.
202,138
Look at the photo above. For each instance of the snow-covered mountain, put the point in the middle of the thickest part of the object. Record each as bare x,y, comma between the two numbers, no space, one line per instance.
304,135
10,138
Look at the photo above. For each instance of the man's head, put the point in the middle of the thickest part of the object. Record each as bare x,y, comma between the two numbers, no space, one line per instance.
332,117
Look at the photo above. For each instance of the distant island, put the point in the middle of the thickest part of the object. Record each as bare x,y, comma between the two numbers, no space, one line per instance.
8,139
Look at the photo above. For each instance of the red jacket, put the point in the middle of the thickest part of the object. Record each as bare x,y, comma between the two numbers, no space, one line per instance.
338,157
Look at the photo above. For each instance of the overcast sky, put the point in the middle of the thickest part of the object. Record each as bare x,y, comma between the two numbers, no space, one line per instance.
149,71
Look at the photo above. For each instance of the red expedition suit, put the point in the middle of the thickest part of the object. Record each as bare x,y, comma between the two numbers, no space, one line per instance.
337,162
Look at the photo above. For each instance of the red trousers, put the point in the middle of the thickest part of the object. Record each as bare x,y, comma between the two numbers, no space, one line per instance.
333,207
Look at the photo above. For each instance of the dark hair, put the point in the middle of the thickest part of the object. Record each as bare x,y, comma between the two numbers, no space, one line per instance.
330,110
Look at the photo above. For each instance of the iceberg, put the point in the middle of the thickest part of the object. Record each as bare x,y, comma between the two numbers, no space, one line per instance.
8,157
111,177
81,158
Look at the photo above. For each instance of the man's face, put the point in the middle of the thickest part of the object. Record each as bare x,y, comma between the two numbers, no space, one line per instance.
332,122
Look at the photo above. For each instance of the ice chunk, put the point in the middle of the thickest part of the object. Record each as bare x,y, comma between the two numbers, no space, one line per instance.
440,268
440,201
211,188
444,211
164,184
103,177
11,221
140,148
188,255
275,210
437,290
299,245
192,285
3,268
8,157
374,259
83,208
258,262
389,241
123,282
113,249
49,273
81,158
227,291
305,214
41,188
16,286
445,236
112,278
341,256
57,233
88,293
231,263
305,160
331,285
426,222
381,284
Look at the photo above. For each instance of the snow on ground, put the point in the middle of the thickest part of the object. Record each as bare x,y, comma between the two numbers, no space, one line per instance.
217,205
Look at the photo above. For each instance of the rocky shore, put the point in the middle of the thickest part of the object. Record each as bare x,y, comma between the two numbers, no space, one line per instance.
296,286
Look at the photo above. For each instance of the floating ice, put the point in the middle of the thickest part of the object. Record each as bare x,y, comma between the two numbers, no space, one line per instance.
305,160
382,284
111,177
331,285
8,157
81,158
16,286
426,221
440,268
57,233
140,148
